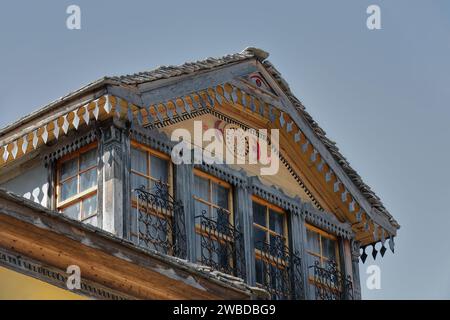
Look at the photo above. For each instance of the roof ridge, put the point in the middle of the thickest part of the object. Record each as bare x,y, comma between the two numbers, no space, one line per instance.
167,71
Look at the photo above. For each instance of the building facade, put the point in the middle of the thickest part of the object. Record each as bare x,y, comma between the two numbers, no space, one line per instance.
91,181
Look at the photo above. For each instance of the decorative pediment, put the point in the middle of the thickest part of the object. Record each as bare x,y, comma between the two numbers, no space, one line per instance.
250,89
257,80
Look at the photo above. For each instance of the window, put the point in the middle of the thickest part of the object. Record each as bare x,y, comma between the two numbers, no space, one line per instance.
152,215
148,166
214,217
77,185
326,281
321,247
212,196
270,240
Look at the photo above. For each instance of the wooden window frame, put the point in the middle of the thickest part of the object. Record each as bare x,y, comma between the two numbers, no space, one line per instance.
269,206
320,255
151,152
79,197
324,234
268,232
211,179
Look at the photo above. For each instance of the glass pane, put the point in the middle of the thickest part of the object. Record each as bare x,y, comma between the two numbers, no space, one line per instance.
88,179
72,211
92,221
222,218
201,209
159,169
311,261
220,195
69,169
313,241
69,189
277,242
223,254
88,159
259,214
89,207
259,271
260,238
134,219
139,161
138,181
329,249
276,222
198,244
201,188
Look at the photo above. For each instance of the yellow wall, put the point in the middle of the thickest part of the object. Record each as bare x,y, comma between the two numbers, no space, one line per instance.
283,179
16,286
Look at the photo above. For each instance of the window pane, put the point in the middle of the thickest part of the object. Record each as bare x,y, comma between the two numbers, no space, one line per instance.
259,214
138,181
220,195
88,159
139,161
277,241
89,207
311,261
329,249
222,218
88,179
69,169
159,169
201,209
259,264
201,188
92,221
73,211
260,238
69,189
276,222
313,241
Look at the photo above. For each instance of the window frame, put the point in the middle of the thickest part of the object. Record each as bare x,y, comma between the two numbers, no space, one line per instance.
222,239
152,152
134,203
79,197
270,206
212,179
259,255
320,255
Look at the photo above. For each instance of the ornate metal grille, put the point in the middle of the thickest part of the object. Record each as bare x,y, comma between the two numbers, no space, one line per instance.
330,283
221,245
279,270
160,221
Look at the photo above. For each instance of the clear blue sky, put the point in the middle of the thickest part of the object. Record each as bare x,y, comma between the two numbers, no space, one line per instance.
382,95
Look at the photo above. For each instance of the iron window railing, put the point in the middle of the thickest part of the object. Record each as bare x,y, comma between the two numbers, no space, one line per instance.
279,270
329,283
221,244
160,221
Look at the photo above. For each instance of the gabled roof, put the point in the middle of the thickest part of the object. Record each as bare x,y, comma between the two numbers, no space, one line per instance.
166,72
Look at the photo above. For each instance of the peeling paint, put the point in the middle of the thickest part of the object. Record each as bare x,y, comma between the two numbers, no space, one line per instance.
120,255
170,273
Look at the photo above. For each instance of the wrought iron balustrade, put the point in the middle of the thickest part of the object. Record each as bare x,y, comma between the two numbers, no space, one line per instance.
329,283
279,270
160,221
221,244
